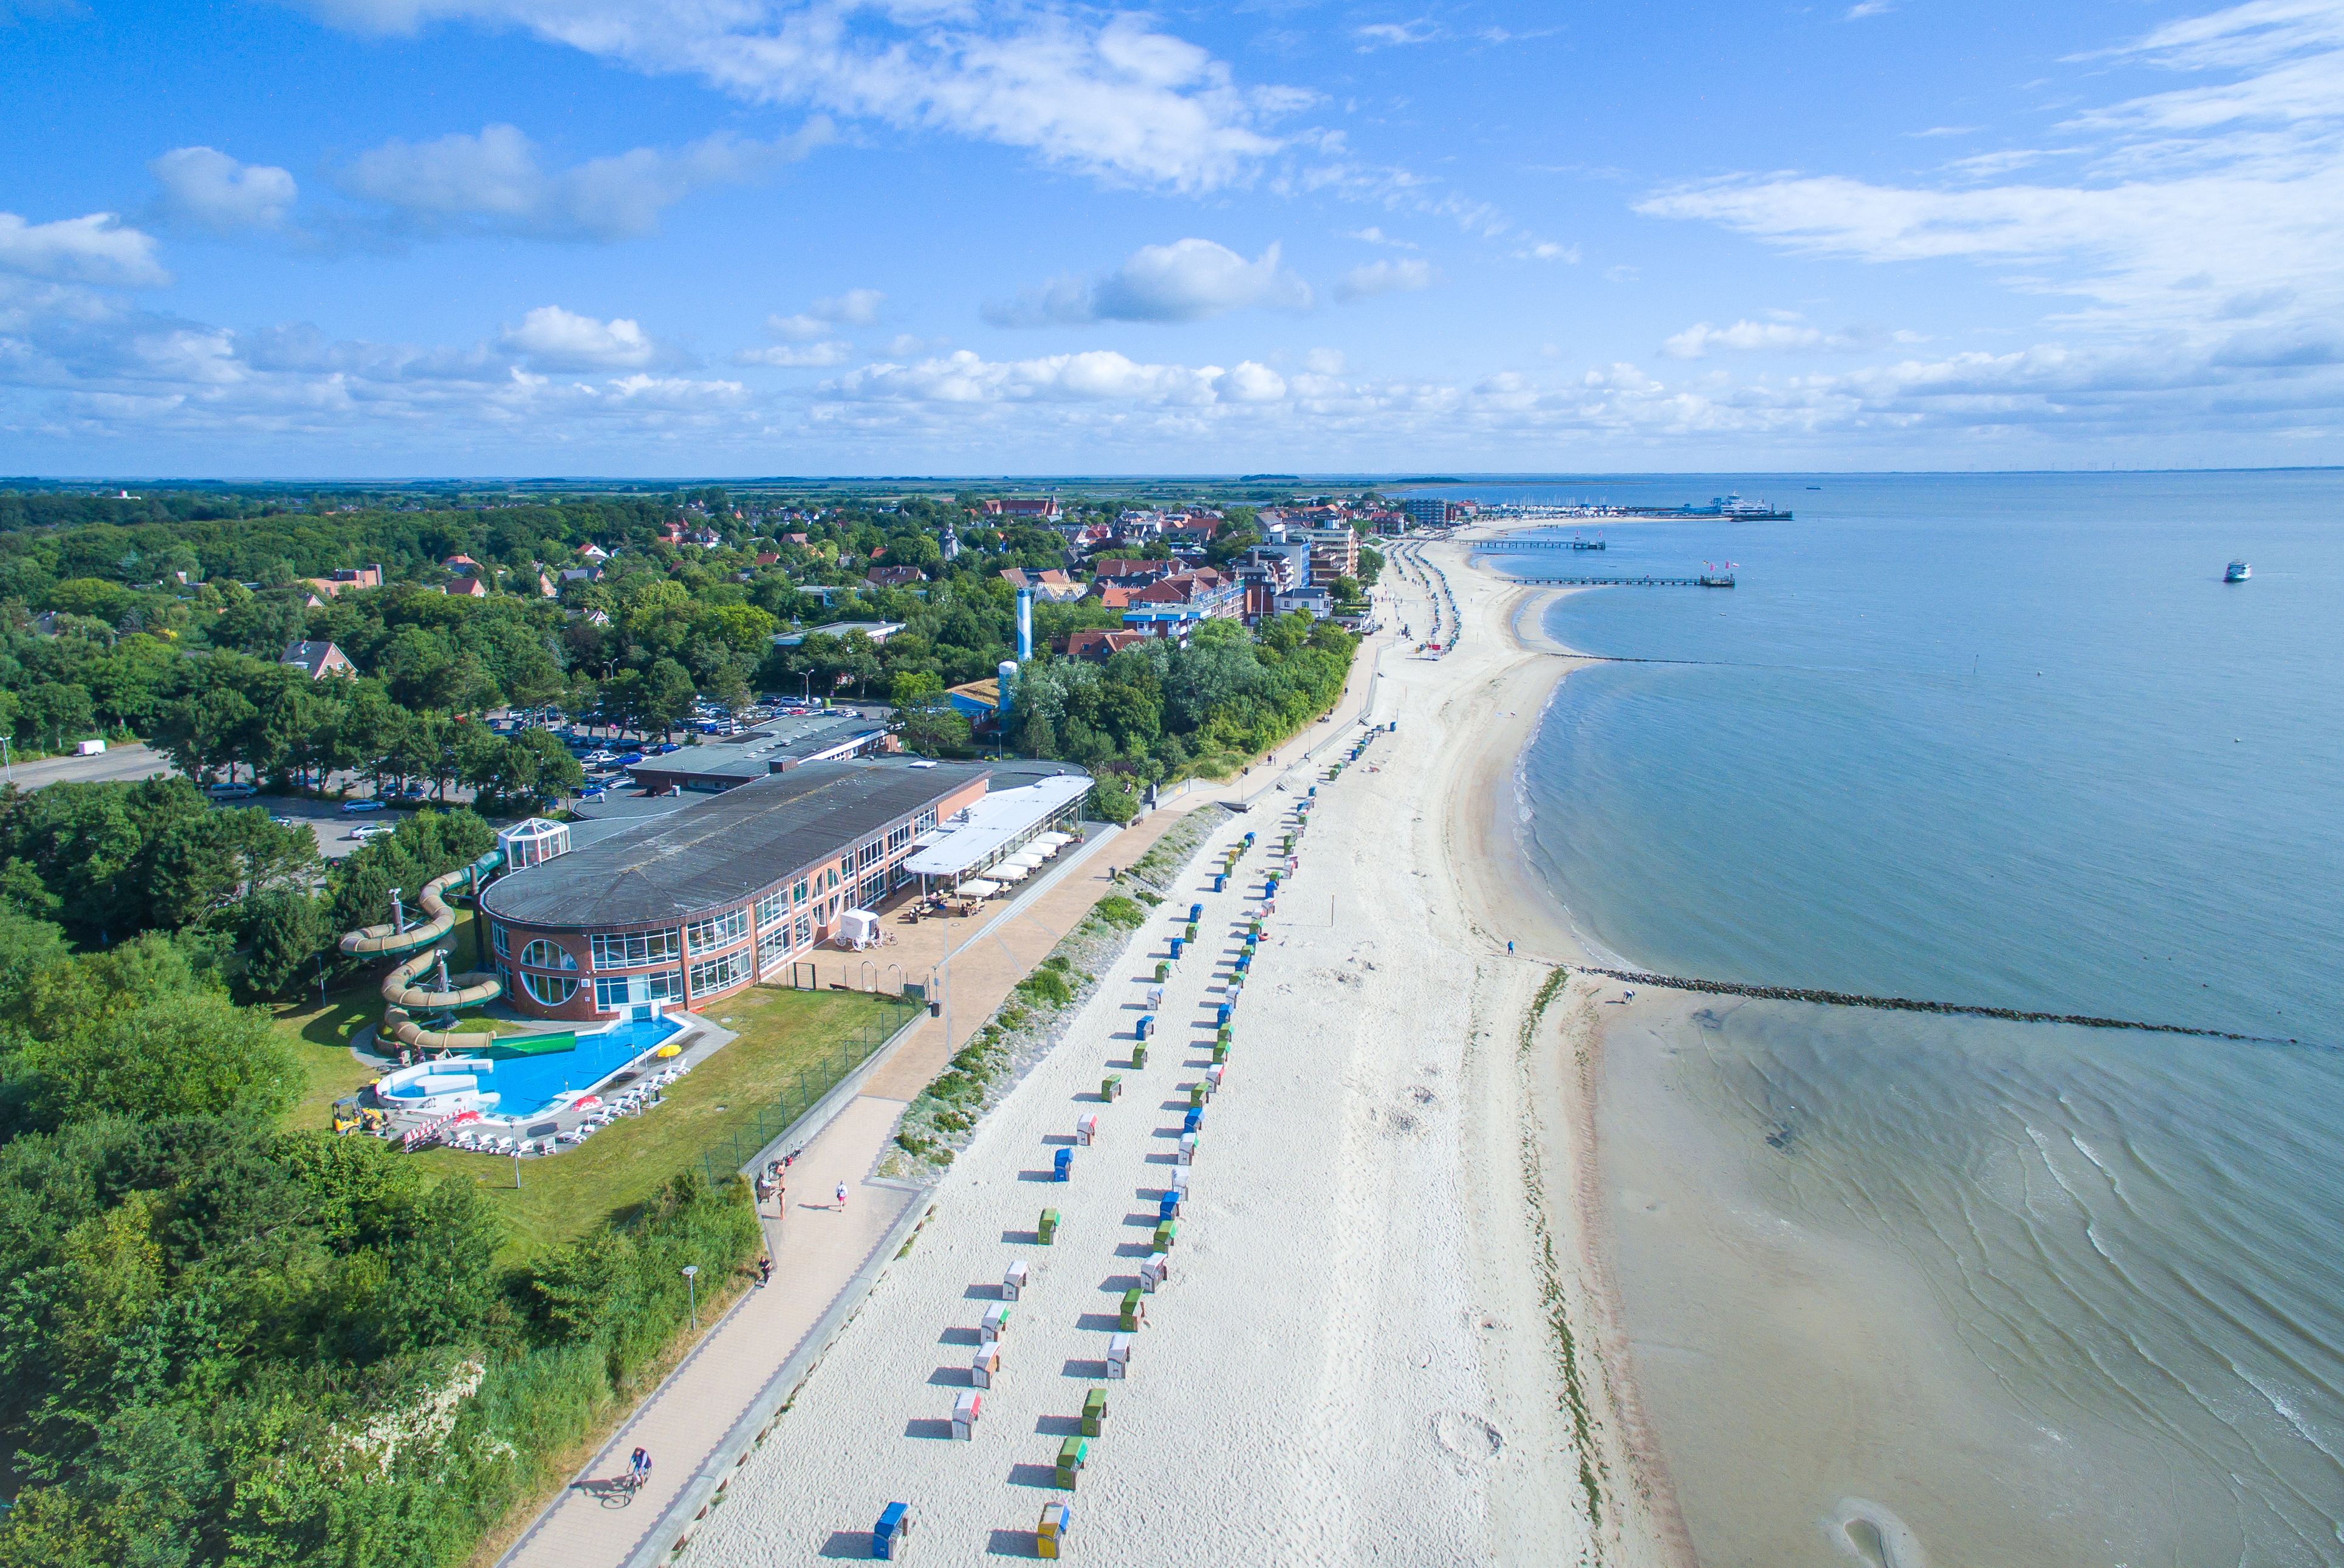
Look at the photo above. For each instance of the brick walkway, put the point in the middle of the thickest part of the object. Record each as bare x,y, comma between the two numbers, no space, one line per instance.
818,1252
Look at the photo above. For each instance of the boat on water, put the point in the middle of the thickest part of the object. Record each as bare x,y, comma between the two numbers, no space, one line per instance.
1734,506
2238,572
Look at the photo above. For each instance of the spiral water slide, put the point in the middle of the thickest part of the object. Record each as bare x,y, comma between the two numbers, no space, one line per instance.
400,987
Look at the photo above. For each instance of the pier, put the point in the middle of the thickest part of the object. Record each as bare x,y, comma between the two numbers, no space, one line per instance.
1509,544
1723,580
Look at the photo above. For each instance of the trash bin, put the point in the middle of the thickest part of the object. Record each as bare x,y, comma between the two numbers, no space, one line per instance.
1062,1164
887,1535
1051,1533
1047,1230
1134,1312
1012,1279
1071,1453
1154,1270
995,1325
965,1409
1118,1355
1086,1129
985,1365
1093,1411
1111,1088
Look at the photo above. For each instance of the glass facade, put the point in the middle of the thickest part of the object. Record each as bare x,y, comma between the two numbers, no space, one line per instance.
633,949
543,955
729,926
721,974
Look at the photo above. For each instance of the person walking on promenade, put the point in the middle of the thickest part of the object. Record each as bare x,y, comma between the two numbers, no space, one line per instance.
842,1197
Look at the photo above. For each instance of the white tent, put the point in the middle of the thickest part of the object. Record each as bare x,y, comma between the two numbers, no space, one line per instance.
1055,840
978,887
1015,871
858,928
1025,862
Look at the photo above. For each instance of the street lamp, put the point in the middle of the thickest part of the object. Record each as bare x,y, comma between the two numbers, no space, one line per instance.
692,1284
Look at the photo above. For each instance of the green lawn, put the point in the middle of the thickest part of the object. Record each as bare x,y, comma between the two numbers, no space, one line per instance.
562,1198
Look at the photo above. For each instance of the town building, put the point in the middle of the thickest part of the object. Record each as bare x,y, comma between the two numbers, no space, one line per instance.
1051,584
1426,510
347,577
895,576
1128,573
1023,509
1334,553
319,659
1098,647
1175,606
699,903
876,631
776,746
466,588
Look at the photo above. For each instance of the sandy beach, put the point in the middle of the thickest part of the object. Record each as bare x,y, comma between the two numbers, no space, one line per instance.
1387,1334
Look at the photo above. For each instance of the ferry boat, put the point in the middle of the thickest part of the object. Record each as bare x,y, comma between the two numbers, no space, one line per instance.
1734,506
2238,572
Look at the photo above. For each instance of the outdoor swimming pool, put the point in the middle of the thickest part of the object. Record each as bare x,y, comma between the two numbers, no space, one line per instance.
525,1085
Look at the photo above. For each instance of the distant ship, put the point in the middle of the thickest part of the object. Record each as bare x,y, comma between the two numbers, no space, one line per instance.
2239,572
1734,506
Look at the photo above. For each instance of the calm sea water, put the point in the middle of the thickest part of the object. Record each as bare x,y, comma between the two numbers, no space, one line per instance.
2011,740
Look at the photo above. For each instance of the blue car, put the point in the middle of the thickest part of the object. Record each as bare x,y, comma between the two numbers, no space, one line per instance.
664,747
630,760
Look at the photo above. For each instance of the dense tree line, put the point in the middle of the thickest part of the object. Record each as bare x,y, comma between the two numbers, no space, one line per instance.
222,1342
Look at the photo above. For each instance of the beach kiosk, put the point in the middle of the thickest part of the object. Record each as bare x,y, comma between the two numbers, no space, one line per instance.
1154,1270
1012,1279
965,1409
1118,1355
887,1535
985,1365
1051,1533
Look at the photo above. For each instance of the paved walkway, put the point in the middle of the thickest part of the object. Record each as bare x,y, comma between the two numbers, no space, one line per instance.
818,1252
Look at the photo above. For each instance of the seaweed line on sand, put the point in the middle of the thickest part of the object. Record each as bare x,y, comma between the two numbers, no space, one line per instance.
1551,1290
1034,1017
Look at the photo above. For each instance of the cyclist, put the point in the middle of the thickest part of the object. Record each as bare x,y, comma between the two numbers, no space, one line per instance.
639,1468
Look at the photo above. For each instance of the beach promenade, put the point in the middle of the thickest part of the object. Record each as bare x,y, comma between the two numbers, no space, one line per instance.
1385,1332
824,1256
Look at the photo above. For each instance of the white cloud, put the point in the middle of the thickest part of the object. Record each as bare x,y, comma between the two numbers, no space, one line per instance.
1695,342
1325,362
1114,96
1187,280
1398,276
206,188
788,356
97,249
495,182
1862,8
1395,35
2240,180
1373,234
855,307
556,339
1099,376
1549,250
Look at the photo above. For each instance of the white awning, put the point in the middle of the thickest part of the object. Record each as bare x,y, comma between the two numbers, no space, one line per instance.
1026,861
978,888
993,823
1056,840
1015,871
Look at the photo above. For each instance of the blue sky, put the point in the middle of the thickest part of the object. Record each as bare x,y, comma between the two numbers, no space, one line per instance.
390,238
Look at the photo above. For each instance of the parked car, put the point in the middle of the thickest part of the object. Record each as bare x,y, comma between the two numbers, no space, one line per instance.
630,760
368,832
286,820
233,791
354,807
599,758
409,797
664,747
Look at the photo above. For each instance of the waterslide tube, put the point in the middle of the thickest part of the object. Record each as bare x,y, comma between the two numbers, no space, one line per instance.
466,990
386,941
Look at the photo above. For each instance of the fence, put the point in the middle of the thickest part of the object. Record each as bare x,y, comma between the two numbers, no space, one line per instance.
720,1160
